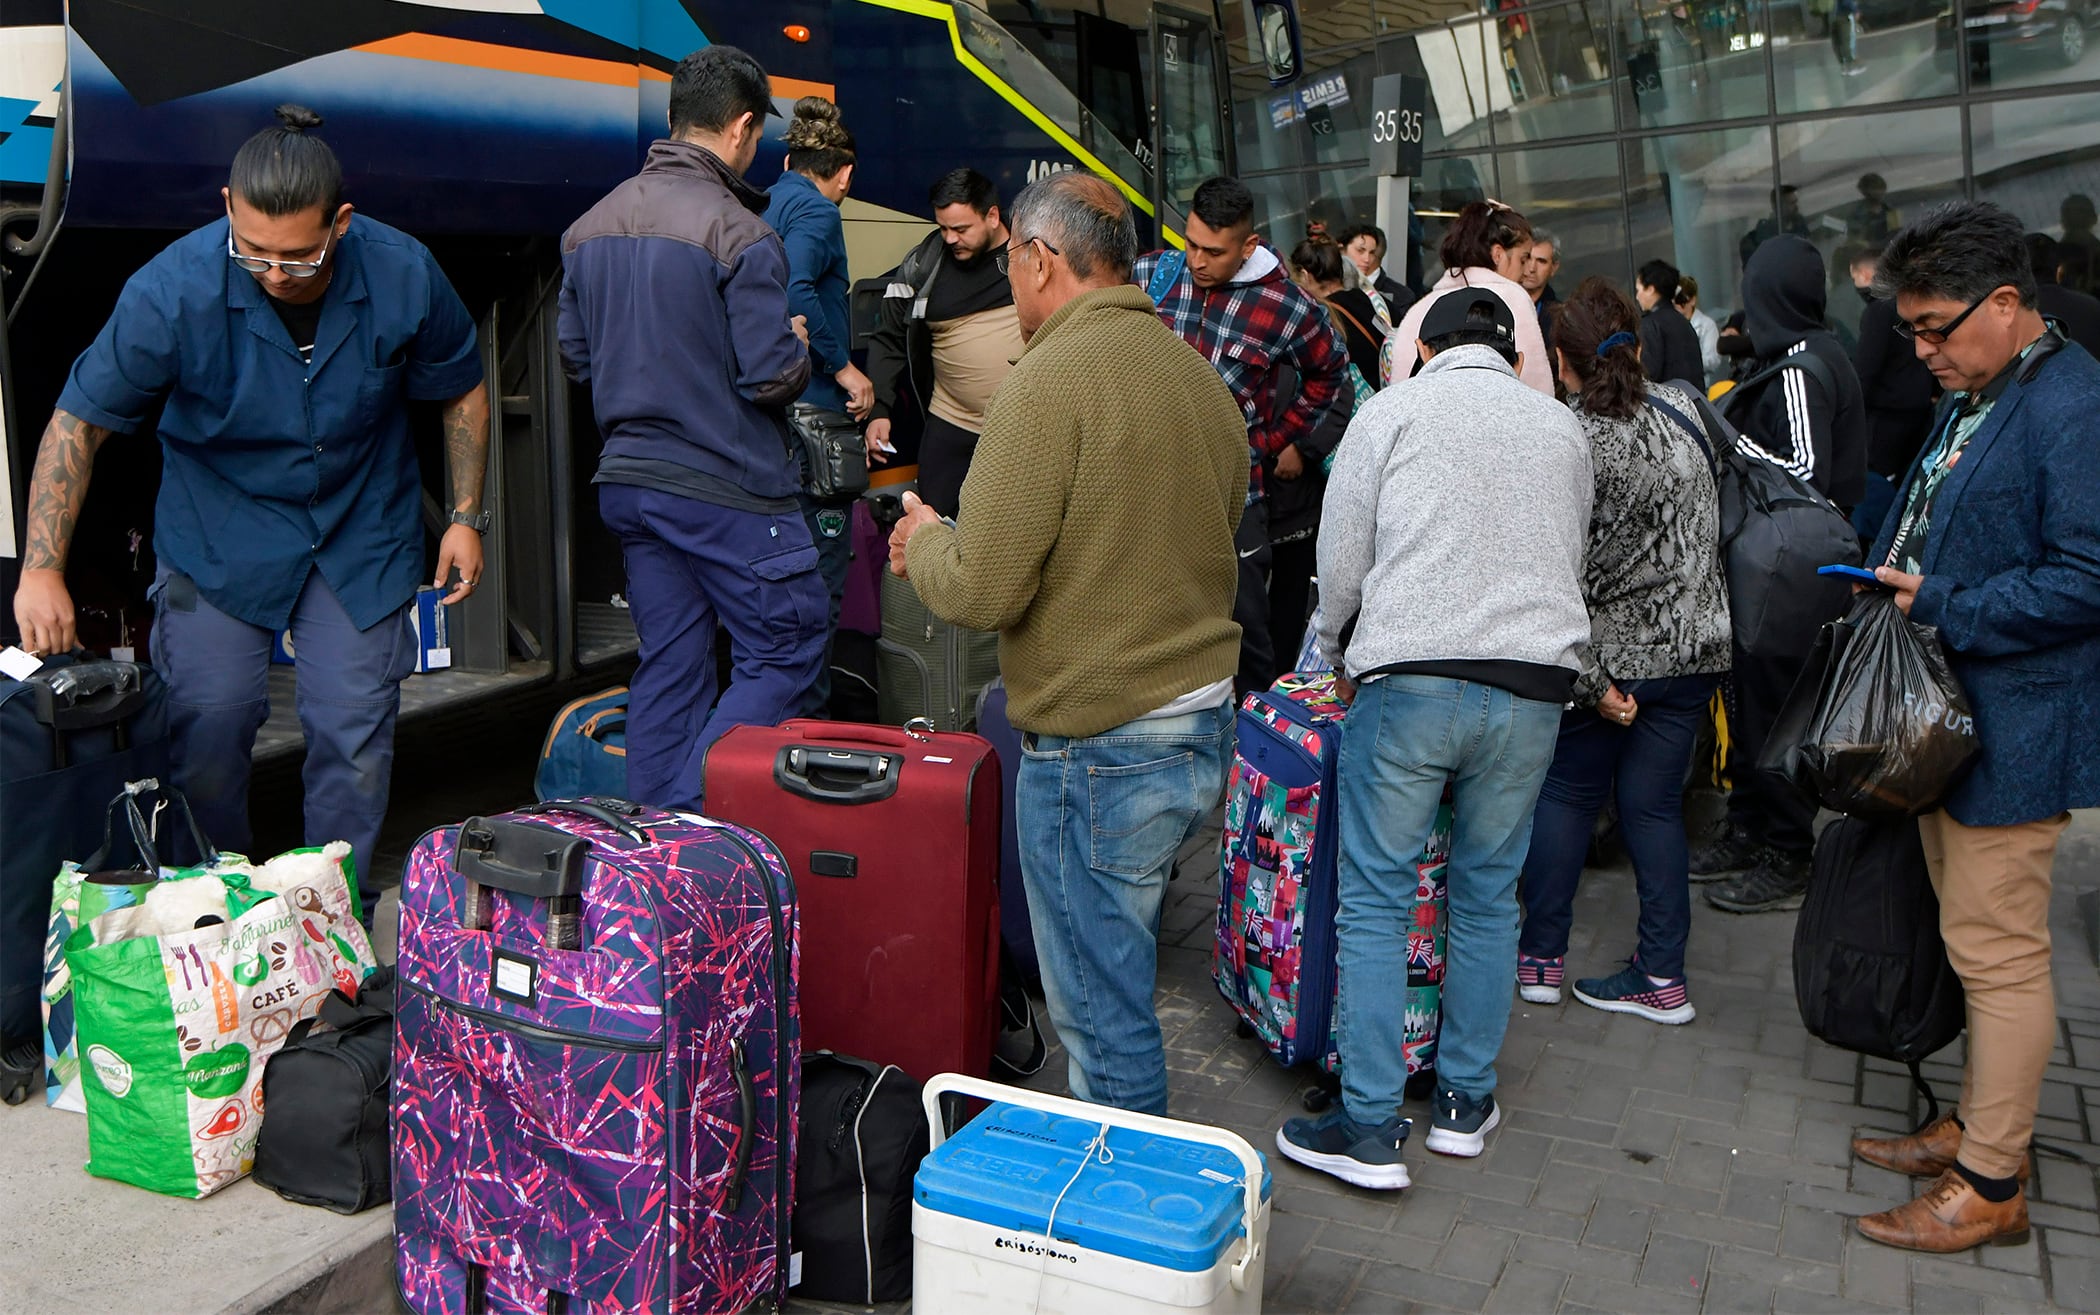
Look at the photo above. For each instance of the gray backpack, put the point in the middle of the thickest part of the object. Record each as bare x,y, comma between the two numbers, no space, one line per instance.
1776,532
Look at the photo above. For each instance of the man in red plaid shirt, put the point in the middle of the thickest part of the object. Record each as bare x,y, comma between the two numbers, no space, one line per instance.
1231,298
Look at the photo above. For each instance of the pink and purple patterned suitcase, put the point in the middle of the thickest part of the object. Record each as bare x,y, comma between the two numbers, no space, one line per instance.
1274,958
596,1058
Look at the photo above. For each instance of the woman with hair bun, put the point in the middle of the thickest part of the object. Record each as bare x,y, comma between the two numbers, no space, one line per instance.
1659,645
1485,247
805,212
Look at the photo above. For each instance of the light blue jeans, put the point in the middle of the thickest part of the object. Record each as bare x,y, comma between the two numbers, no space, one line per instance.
1100,820
1406,736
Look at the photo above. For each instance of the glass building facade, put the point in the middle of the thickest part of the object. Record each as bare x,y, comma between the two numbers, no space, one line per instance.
1681,129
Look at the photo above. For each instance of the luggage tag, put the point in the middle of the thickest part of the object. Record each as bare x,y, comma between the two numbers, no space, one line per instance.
17,664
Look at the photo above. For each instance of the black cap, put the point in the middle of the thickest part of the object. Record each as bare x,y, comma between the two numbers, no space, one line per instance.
1454,311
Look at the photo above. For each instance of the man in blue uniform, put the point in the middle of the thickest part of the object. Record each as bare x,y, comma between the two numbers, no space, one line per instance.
283,343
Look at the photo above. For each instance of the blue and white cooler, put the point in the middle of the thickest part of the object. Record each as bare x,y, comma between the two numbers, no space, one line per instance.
1047,1206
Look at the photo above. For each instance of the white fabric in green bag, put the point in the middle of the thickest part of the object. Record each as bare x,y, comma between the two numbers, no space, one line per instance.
175,1021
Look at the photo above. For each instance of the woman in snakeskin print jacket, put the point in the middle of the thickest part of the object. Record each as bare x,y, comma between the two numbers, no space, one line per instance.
1659,645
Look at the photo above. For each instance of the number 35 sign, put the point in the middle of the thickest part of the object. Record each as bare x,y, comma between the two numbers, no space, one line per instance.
1397,105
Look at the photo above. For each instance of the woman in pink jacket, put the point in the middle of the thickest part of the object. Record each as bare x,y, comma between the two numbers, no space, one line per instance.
1483,248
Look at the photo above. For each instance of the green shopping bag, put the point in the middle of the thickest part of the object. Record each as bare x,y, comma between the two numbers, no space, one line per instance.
175,1020
86,890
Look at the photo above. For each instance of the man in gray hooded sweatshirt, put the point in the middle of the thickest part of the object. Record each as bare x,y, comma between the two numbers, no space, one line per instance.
1803,411
1451,550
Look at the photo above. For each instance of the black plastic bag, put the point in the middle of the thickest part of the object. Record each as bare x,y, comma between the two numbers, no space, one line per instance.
1876,726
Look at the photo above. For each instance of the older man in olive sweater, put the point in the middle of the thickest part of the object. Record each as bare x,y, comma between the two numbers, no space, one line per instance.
1095,536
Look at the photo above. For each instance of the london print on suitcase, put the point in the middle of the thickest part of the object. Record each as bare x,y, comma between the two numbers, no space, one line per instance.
596,1061
1275,946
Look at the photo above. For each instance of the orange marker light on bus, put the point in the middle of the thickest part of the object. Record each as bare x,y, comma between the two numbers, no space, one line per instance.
795,32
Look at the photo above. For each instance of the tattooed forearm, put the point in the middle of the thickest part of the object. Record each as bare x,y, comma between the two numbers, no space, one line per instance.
64,463
467,447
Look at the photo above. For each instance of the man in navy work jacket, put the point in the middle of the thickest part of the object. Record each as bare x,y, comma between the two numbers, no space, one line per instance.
674,310
285,341
1995,540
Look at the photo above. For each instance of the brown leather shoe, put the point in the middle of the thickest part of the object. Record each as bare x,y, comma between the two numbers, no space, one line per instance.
1926,1153
1950,1216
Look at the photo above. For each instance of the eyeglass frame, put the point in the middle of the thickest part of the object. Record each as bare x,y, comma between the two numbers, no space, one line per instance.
292,268
1004,258
1934,337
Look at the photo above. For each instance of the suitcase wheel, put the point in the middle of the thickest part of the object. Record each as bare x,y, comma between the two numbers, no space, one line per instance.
20,1070
1316,1099
1244,1028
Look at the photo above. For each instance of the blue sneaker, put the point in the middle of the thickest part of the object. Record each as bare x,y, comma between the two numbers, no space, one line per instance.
1632,991
1336,1144
1462,1124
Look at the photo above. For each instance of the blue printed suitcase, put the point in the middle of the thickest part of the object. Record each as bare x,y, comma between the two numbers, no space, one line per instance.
1014,927
1274,955
596,1061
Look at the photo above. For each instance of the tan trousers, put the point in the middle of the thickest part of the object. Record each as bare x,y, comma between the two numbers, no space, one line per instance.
1993,884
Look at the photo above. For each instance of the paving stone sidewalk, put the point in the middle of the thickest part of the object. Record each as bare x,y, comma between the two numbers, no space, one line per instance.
1640,1168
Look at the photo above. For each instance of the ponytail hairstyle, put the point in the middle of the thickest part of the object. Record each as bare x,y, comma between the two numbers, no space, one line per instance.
1599,315
283,171
1481,226
817,141
1321,257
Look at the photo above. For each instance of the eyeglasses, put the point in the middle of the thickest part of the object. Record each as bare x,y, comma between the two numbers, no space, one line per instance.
1006,253
298,269
1905,329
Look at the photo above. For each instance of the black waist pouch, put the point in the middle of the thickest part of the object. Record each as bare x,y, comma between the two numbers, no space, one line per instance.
834,459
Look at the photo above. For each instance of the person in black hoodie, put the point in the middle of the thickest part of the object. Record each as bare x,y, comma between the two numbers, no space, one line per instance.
1669,344
1899,394
1809,419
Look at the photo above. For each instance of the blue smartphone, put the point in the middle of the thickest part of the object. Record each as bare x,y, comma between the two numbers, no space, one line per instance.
1860,573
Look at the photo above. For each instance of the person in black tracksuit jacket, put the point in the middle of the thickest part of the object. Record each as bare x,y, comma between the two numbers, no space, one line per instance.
1812,423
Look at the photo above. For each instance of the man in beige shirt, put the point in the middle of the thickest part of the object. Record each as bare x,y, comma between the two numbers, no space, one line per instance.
947,335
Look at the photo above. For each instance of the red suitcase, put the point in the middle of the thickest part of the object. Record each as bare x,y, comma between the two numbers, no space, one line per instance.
894,841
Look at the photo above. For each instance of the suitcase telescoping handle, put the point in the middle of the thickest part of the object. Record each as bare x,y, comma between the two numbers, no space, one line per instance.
999,1092
88,695
836,776
526,858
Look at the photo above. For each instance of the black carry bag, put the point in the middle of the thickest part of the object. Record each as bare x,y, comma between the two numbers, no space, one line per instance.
1870,970
863,1133
834,459
1777,532
1876,725
324,1098
70,737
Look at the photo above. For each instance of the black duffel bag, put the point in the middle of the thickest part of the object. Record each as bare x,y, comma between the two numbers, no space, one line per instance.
1870,970
324,1098
863,1133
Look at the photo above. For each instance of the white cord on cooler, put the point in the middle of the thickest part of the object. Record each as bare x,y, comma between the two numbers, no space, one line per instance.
1098,1146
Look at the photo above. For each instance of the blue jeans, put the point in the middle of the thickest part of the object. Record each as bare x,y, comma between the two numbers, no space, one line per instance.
1404,738
1646,761
1100,821
349,691
692,565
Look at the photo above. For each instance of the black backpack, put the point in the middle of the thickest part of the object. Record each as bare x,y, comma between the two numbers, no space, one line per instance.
863,1133
1870,970
324,1097
1776,533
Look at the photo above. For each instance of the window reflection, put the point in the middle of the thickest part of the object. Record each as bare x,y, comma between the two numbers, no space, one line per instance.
1572,193
1556,64
1696,200
1683,61
2035,158
1883,53
2021,43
